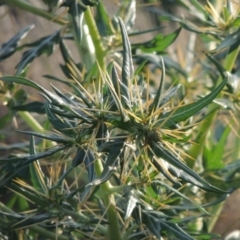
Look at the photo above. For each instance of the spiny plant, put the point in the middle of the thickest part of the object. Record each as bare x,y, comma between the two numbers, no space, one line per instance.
113,165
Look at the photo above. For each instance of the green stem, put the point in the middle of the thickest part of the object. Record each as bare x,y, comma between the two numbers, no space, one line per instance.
36,11
97,42
33,124
215,212
41,231
31,121
113,227
204,128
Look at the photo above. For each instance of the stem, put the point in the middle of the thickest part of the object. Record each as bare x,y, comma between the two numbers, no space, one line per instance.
42,231
34,125
97,42
36,11
31,121
204,128
113,227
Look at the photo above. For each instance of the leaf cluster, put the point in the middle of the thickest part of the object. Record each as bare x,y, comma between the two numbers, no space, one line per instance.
112,159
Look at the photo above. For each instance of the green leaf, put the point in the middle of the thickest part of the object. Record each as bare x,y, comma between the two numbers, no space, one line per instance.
189,25
102,135
64,108
68,83
21,80
35,106
137,32
50,136
180,194
158,43
174,229
127,66
24,220
61,124
37,176
120,88
199,7
231,41
190,175
213,158
86,157
156,60
186,111
25,160
104,21
127,12
230,170
29,194
152,224
117,100
131,204
157,100
236,22
44,45
11,147
82,95
11,46
71,69
114,149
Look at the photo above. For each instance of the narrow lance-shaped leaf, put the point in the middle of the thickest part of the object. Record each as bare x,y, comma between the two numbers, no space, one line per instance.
50,136
71,66
61,124
44,45
231,41
200,7
31,194
103,21
163,153
114,150
169,95
180,194
132,201
36,107
173,228
214,158
20,80
37,176
85,156
127,67
120,88
186,111
68,82
25,160
152,224
25,220
24,81
11,46
158,43
157,99
116,99
83,96
102,134
129,10
54,99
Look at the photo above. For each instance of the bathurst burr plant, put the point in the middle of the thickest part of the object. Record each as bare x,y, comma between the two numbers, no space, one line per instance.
115,155
132,139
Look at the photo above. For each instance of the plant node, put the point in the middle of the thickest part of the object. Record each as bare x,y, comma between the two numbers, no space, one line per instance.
153,136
